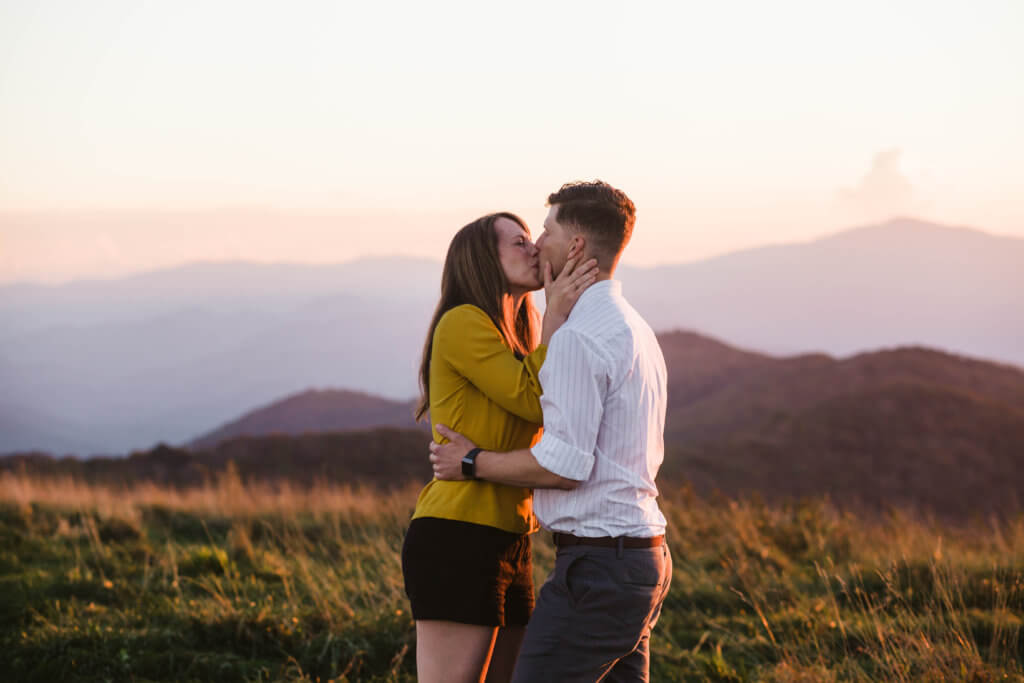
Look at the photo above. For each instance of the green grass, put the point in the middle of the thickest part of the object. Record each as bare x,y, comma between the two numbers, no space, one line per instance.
248,583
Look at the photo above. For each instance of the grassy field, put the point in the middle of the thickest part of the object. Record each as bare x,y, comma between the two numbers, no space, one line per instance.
235,582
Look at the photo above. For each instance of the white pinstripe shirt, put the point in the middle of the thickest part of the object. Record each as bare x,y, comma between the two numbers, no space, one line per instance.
604,383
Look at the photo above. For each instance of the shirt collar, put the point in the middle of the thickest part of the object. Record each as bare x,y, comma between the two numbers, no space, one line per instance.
599,291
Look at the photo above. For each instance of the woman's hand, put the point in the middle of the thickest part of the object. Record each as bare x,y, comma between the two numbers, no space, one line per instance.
562,292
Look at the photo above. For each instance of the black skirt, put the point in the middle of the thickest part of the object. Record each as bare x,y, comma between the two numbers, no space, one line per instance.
468,573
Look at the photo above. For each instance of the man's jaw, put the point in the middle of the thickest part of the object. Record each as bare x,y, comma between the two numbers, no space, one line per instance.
555,269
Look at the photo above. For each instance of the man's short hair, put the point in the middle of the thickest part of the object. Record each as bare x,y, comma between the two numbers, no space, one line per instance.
596,208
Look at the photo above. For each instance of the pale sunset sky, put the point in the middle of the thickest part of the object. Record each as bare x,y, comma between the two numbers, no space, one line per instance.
141,134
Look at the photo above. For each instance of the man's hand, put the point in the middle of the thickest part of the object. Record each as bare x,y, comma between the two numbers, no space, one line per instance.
447,458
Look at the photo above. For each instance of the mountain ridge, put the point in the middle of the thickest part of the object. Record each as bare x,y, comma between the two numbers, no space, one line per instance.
911,427
215,350
312,411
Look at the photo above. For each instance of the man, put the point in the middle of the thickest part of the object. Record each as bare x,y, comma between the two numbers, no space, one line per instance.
604,386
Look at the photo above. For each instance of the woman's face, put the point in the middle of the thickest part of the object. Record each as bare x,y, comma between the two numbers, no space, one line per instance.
519,258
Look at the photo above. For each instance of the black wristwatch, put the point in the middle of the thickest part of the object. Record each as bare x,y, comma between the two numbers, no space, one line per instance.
469,463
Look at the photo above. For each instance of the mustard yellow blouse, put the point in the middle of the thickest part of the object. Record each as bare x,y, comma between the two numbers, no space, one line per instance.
480,389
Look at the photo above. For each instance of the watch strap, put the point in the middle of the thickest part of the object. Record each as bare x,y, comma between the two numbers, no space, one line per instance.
469,463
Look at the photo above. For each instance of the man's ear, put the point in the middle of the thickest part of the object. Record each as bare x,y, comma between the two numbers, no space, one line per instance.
576,246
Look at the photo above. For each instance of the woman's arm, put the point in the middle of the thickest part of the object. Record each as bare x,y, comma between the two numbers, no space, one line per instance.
467,340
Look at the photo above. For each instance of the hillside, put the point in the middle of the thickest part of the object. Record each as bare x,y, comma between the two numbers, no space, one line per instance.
910,445
329,410
716,390
909,427
382,458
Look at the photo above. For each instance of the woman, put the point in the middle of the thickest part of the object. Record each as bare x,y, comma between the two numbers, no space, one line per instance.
466,557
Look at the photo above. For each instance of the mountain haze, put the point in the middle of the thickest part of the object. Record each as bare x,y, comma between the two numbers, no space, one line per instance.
109,366
173,372
903,282
218,287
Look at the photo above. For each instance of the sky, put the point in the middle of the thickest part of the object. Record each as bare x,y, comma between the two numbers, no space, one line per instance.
140,134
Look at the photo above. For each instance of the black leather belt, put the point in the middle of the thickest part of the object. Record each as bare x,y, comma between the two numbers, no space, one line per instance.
564,540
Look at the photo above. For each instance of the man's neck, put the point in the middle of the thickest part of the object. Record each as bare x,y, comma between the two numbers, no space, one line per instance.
602,273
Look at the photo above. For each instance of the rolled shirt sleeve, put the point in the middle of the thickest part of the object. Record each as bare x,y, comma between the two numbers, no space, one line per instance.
575,381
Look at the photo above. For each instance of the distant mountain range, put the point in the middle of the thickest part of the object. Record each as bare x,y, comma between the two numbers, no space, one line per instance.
108,366
905,282
315,412
911,427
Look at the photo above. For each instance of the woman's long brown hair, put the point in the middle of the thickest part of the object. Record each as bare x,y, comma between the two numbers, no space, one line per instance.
473,275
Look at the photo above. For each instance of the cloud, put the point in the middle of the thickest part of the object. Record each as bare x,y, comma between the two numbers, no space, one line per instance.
884,191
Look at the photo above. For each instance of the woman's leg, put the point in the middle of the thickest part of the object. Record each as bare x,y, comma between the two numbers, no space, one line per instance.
450,651
505,653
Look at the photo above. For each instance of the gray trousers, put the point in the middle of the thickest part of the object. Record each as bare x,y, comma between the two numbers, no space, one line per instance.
594,616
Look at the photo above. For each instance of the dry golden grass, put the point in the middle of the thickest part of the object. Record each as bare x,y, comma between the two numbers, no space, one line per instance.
308,582
227,496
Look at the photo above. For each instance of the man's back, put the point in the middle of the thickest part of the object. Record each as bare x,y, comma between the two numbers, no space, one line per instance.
604,415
